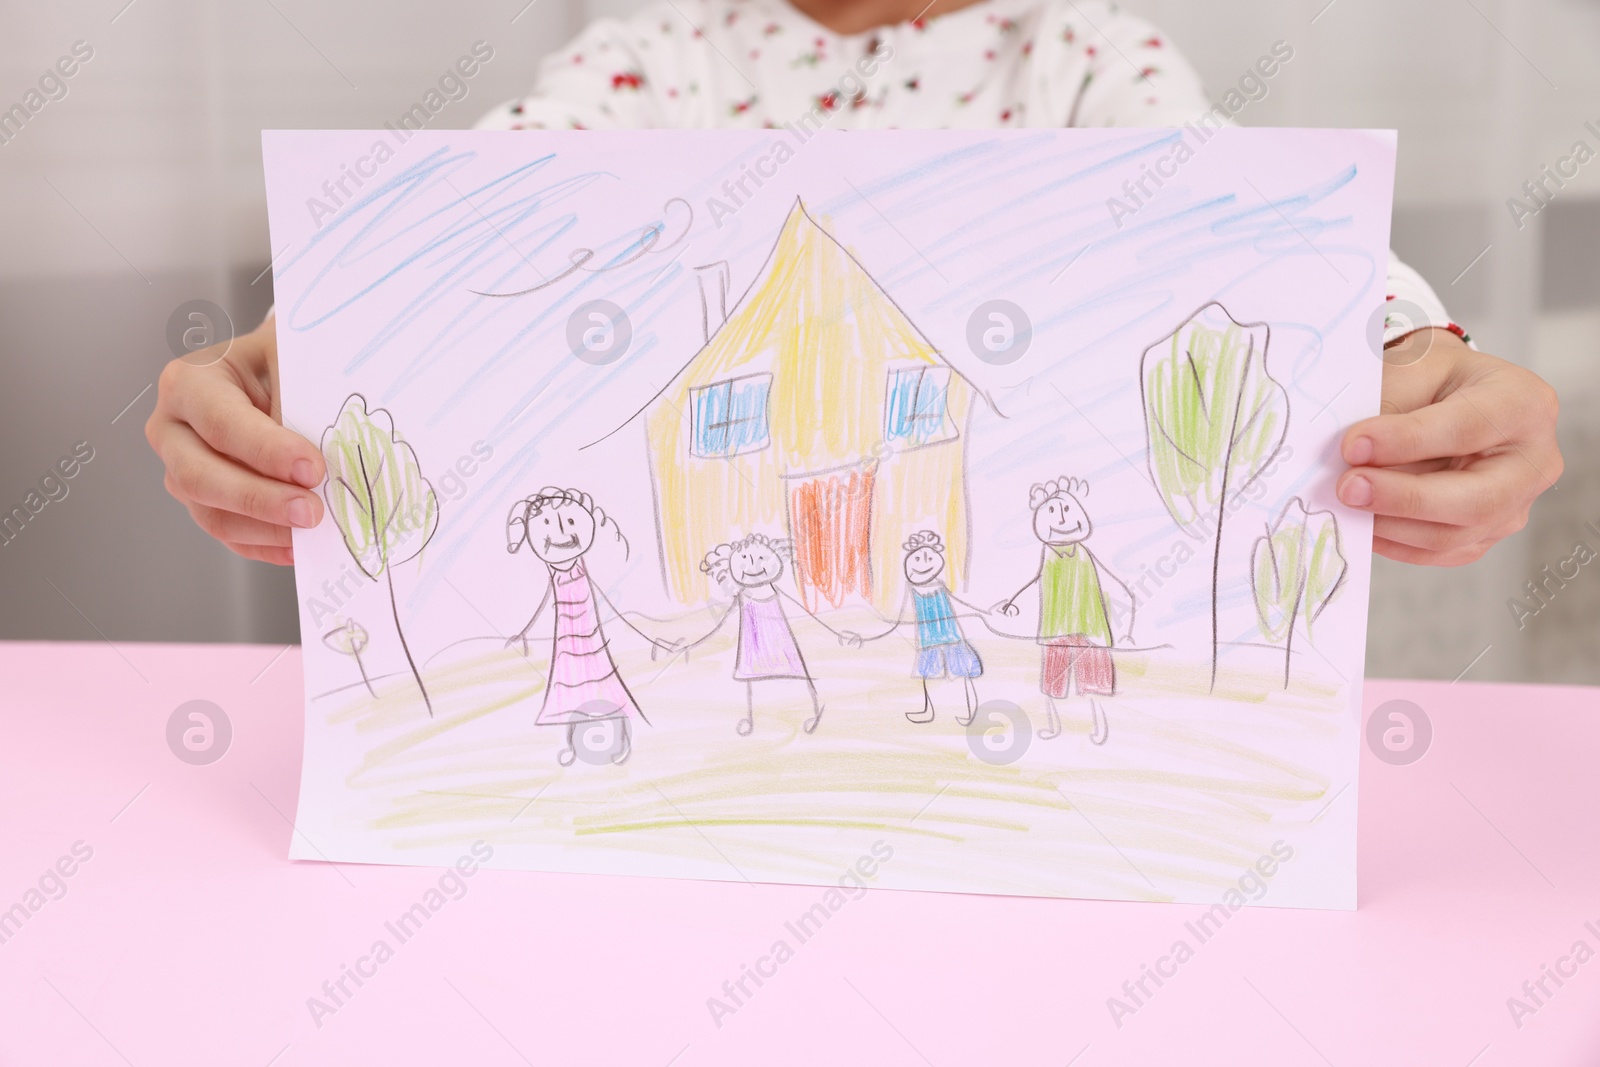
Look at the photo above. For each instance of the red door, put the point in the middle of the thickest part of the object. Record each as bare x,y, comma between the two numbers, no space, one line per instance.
832,524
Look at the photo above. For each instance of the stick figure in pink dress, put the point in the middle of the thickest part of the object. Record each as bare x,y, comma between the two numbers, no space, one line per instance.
749,569
584,687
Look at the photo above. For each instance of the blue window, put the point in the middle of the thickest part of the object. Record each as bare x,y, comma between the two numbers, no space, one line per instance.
916,408
731,417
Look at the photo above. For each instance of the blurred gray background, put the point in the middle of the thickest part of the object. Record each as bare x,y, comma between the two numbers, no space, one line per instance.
142,189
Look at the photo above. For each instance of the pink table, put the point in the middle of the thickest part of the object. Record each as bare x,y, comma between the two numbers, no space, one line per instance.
187,938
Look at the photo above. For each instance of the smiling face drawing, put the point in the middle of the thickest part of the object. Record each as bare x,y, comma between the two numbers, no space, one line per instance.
923,564
755,564
1061,520
560,533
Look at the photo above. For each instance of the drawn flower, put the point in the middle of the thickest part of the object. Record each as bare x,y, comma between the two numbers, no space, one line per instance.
350,639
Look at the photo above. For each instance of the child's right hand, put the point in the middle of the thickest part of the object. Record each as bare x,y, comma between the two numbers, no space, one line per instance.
245,479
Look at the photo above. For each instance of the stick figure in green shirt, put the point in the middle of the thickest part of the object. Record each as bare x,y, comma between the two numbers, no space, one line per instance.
1080,602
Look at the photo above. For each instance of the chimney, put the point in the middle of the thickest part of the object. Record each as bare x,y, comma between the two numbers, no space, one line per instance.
714,280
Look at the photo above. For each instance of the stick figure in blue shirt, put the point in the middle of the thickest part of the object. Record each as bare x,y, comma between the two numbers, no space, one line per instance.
942,650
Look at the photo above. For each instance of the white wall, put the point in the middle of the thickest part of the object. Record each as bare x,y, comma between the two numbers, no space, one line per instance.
158,141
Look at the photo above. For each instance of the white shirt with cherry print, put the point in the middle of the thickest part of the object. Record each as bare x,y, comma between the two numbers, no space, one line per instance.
753,64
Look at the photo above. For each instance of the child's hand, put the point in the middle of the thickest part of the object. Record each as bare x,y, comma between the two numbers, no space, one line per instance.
1465,444
244,478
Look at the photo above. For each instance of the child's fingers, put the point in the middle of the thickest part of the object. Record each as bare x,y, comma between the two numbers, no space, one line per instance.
1429,536
1427,466
1422,557
233,529
1474,497
282,557
1402,553
223,416
200,476
1455,426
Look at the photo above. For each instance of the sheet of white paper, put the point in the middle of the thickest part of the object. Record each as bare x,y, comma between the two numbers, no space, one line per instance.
809,449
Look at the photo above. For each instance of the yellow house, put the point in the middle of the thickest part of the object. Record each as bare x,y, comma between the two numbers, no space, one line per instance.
815,411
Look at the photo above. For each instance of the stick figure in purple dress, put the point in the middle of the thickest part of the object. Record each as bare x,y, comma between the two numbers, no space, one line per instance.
749,570
584,687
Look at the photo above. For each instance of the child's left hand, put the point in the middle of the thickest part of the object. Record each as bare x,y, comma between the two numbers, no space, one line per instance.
1465,444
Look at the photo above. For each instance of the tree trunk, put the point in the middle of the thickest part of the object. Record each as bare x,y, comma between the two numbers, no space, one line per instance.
1288,642
393,604
1288,646
1216,568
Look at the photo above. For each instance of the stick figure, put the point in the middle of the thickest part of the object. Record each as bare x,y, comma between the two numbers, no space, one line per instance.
749,569
1074,616
583,686
942,650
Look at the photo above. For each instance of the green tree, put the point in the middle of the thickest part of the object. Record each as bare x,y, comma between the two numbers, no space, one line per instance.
1214,418
384,507
1296,569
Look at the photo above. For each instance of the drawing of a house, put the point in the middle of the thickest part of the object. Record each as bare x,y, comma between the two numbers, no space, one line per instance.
818,411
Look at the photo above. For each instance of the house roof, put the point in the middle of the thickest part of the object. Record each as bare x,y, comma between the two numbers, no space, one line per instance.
811,299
